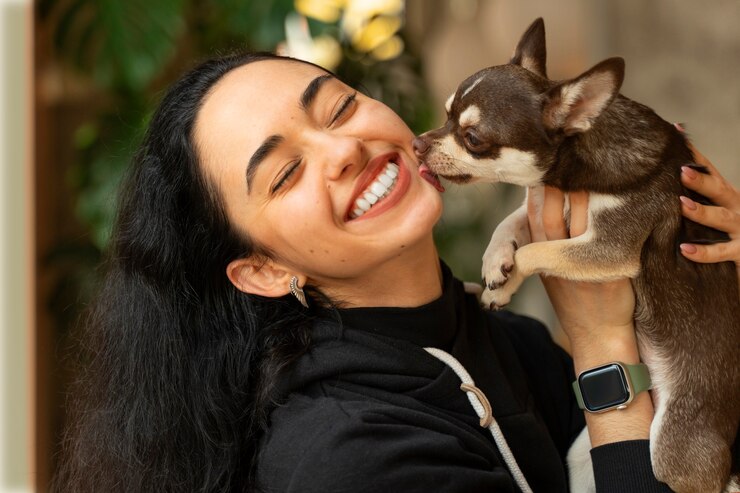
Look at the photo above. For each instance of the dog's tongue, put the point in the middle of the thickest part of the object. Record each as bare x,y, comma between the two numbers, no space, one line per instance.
427,174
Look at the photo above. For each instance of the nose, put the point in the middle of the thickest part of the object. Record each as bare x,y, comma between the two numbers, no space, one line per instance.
421,146
342,154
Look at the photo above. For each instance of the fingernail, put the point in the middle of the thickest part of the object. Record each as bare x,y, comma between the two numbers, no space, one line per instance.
687,248
679,127
688,172
690,204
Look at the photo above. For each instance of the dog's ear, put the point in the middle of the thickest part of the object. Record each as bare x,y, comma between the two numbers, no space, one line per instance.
530,53
573,105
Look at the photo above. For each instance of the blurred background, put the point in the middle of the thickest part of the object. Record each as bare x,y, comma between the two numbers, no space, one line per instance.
81,77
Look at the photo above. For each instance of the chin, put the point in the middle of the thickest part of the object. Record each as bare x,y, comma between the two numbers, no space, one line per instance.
425,211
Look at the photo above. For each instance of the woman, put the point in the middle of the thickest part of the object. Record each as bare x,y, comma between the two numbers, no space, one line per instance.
206,374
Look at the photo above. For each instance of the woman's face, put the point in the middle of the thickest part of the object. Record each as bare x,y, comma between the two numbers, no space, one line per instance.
298,156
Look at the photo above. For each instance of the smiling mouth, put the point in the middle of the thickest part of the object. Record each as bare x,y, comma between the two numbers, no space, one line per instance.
376,191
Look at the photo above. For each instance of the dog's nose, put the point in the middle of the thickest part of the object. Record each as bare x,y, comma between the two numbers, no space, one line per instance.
421,146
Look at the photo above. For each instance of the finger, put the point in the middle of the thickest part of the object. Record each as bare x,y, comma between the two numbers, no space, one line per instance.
578,213
552,214
715,217
719,252
700,158
713,187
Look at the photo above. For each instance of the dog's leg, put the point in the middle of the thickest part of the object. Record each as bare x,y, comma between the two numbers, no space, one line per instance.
512,233
578,259
498,261
692,433
592,256
688,453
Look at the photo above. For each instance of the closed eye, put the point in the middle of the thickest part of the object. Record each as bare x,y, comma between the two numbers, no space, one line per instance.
343,107
292,168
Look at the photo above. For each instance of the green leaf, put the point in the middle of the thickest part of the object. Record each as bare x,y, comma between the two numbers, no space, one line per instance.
85,135
123,43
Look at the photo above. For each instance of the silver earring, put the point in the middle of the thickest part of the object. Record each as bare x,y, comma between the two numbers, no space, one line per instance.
297,291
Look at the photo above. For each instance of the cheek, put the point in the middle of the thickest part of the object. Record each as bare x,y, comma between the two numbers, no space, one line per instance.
294,220
299,227
388,123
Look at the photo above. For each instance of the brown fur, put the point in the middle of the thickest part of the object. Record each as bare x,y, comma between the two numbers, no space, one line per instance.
582,135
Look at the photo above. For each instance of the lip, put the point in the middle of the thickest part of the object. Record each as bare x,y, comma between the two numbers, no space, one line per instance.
374,168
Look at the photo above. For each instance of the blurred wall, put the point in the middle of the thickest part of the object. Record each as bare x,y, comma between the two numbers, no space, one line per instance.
16,278
683,60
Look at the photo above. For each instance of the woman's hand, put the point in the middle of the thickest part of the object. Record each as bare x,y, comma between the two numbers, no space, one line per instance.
724,216
589,312
597,318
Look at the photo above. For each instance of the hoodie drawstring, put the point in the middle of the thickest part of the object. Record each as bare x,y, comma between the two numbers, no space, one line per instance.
483,409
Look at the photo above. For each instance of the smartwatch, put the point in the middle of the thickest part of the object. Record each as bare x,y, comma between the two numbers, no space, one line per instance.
611,386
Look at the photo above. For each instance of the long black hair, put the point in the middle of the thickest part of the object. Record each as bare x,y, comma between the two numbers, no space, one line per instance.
180,367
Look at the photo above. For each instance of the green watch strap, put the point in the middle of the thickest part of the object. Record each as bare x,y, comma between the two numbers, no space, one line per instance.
579,397
639,375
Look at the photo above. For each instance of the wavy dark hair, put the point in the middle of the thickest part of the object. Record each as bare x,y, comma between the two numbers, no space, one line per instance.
180,368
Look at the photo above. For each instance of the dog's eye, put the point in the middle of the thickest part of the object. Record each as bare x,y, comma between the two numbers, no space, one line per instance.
471,140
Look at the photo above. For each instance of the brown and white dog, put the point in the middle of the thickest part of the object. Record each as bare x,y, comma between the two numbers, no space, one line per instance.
510,123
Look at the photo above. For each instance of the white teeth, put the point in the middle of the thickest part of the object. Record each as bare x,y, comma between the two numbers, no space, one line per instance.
363,204
377,190
385,180
370,197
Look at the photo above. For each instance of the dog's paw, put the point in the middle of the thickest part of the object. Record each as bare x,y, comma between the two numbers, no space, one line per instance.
498,262
495,299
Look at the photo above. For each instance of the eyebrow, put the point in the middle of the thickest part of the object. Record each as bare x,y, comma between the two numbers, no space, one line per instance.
260,154
307,98
312,89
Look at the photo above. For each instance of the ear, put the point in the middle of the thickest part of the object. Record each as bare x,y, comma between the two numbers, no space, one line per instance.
260,277
531,53
574,105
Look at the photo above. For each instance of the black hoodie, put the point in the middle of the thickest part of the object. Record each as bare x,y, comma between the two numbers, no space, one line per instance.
368,410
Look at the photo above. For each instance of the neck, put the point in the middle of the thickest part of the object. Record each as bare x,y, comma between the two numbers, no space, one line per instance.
613,157
410,279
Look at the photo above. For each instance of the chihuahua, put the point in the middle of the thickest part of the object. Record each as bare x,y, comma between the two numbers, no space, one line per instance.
510,123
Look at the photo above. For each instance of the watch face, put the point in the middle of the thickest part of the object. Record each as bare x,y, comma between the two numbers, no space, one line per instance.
604,387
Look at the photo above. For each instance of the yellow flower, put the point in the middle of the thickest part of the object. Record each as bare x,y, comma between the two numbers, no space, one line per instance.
370,26
327,11
358,13
375,33
327,52
389,50
324,51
